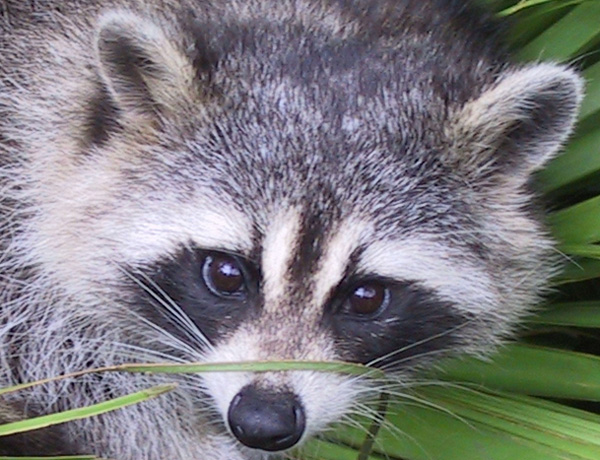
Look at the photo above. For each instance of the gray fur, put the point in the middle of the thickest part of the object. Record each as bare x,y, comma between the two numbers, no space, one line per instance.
321,140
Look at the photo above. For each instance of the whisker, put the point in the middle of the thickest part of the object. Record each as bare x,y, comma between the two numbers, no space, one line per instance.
416,344
390,366
175,312
171,339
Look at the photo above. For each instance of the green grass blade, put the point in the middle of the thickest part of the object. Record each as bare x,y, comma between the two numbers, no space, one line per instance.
591,103
567,432
563,433
579,223
564,39
579,270
534,21
84,412
523,5
323,450
250,366
532,370
458,424
253,366
573,314
582,156
580,159
582,250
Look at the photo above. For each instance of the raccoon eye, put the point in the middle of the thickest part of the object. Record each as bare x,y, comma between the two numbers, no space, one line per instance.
223,275
368,299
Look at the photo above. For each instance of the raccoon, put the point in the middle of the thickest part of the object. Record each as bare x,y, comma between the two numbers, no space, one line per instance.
223,181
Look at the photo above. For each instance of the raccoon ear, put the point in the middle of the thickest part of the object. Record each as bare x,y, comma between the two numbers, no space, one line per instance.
144,70
518,124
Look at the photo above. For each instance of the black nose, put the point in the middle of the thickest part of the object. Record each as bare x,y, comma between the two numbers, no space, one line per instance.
265,419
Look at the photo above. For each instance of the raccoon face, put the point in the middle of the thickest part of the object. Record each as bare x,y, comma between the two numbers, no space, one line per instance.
293,302
251,216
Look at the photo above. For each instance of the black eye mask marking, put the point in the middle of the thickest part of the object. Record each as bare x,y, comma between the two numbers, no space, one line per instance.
387,323
216,290
398,322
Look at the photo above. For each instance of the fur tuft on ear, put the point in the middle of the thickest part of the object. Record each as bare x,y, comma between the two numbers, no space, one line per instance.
144,70
518,124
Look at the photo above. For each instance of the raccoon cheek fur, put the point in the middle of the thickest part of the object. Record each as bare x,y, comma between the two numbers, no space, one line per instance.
259,180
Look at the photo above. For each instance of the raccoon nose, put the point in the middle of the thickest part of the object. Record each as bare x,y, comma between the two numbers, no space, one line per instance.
266,420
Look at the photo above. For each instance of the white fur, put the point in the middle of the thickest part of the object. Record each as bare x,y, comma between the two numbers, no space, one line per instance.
280,241
432,265
344,240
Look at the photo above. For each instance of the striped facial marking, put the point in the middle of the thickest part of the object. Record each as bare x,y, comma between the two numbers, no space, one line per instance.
280,241
336,259
305,259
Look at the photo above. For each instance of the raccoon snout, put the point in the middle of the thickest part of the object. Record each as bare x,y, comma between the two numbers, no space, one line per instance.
267,420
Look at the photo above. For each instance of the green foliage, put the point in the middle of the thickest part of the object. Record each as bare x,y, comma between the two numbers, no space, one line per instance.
84,412
476,409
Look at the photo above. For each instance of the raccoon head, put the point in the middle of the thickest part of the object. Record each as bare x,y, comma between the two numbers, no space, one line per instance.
319,211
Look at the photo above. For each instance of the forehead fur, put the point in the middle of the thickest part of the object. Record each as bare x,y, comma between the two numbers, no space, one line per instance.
306,85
